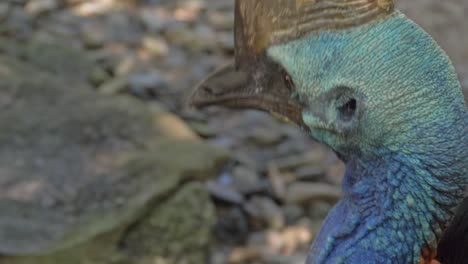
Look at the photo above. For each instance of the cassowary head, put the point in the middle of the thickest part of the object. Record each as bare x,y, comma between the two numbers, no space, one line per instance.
365,80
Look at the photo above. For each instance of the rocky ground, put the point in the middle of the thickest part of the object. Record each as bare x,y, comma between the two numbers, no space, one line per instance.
273,192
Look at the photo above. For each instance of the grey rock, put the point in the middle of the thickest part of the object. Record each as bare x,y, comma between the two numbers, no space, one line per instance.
315,157
123,65
123,27
198,39
94,34
156,46
226,42
221,20
264,211
113,86
84,167
292,213
246,180
310,173
177,57
99,76
56,59
154,22
224,194
306,192
288,259
263,136
203,129
232,226
277,181
18,23
4,10
177,230
38,7
147,85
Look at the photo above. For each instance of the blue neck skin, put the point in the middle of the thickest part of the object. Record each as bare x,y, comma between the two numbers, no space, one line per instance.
412,165
396,202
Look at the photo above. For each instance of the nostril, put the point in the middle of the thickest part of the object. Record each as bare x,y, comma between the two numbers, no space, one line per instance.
208,90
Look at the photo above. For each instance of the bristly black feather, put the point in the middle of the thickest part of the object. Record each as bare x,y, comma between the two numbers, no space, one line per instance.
453,247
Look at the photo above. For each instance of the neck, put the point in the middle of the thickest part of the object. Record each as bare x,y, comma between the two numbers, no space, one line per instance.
396,203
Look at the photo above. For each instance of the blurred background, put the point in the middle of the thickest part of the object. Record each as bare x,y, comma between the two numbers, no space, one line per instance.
103,161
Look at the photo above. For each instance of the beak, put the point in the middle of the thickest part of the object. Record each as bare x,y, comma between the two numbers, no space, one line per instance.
256,82
261,87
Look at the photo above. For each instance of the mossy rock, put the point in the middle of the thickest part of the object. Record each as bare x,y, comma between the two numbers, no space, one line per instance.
164,233
77,169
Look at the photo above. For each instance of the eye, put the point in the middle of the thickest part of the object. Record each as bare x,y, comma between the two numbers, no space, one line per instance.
288,81
348,109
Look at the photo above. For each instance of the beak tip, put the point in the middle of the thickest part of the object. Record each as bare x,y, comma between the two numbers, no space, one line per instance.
198,99
193,102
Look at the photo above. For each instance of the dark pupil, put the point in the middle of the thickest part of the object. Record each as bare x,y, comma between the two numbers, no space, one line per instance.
348,109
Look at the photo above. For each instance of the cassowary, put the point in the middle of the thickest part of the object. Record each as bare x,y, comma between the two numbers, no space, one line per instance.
363,79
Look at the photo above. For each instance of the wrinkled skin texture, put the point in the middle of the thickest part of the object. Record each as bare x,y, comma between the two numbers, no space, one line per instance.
402,133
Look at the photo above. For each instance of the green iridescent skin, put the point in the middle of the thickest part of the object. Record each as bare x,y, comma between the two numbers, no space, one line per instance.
405,146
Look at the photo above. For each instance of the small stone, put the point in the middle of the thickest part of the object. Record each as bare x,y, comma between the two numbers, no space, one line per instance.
18,22
125,65
38,7
155,46
285,242
122,27
257,238
147,85
156,20
294,237
305,192
198,39
226,42
203,129
177,57
292,213
92,8
99,76
245,158
277,181
245,255
222,141
246,180
172,126
113,86
310,173
93,35
224,194
266,212
218,257
157,107
285,259
232,226
4,10
315,157
265,136
221,20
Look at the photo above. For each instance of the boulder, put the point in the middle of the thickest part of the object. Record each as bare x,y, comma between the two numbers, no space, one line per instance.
80,172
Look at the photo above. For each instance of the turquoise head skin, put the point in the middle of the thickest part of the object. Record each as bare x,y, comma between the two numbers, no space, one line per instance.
386,98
